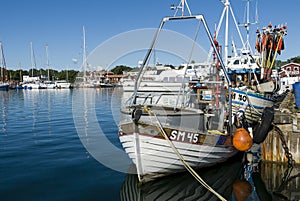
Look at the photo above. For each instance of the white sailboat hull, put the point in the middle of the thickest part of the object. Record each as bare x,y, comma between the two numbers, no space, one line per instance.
4,86
62,85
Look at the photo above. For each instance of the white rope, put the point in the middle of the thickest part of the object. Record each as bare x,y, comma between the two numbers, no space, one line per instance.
187,166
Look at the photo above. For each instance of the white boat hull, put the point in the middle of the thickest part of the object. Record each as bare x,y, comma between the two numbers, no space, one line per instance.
151,86
62,85
146,145
4,86
31,86
254,102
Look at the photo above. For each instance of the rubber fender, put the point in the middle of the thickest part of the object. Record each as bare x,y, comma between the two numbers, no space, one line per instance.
262,129
136,115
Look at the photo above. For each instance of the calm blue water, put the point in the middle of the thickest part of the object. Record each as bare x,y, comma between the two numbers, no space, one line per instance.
62,145
41,155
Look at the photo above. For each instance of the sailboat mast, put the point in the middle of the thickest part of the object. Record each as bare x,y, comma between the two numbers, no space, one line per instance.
3,67
47,62
84,55
20,72
33,64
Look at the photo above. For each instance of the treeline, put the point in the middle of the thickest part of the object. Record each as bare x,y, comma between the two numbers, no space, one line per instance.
70,75
17,75
279,63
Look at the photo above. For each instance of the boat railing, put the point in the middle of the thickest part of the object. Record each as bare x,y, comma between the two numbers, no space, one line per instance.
156,98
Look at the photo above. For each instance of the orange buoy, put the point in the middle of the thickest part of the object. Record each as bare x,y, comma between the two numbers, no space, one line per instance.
242,140
241,190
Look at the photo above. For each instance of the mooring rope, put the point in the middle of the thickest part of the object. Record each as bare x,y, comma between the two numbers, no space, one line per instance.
186,165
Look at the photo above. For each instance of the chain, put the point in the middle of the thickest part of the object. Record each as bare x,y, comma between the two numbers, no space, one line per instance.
291,161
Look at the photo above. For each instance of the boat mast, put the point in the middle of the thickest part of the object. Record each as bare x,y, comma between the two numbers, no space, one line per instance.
182,4
20,72
2,62
33,63
247,25
47,61
227,4
3,67
84,55
226,9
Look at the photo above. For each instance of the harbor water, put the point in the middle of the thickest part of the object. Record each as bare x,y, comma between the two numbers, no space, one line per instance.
62,144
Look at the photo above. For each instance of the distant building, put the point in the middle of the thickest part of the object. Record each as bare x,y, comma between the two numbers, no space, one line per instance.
289,74
290,70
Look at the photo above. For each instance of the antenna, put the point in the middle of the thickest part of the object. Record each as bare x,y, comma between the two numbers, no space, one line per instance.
248,23
182,4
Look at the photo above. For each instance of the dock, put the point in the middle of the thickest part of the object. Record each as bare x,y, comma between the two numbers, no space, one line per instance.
287,119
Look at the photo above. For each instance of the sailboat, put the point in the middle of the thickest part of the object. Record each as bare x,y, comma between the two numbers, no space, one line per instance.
4,85
82,81
47,84
32,82
192,128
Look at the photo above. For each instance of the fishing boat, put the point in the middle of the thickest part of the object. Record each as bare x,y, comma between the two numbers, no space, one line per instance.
164,133
254,88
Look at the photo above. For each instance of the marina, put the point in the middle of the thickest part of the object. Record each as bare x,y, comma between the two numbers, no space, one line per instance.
42,156
173,113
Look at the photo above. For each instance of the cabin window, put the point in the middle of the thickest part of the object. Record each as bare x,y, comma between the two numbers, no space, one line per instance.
171,79
179,79
236,62
288,69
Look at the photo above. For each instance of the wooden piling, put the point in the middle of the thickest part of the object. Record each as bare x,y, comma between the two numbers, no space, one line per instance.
287,119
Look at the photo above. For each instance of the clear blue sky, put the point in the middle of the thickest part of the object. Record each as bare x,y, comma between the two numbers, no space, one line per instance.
59,23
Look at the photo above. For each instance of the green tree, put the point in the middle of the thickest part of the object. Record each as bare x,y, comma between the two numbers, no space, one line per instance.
119,69
294,60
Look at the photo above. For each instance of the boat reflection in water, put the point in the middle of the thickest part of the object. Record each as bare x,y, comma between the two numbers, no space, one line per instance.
183,186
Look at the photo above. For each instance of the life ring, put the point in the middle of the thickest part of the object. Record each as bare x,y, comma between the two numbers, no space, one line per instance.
262,129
